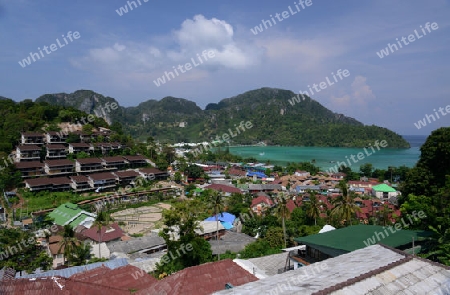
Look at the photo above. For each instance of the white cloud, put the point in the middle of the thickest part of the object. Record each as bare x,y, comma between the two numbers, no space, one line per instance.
361,95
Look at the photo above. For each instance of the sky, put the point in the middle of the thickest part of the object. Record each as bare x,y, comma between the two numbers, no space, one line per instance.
211,50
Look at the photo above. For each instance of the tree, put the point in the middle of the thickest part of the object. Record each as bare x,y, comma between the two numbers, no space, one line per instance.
366,169
283,212
439,245
81,254
182,221
431,169
177,177
68,243
217,206
194,171
345,207
103,219
313,207
274,236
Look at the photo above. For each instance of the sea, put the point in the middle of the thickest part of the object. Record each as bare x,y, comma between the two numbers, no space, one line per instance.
327,157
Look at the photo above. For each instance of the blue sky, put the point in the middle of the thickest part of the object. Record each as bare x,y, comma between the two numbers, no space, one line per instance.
121,56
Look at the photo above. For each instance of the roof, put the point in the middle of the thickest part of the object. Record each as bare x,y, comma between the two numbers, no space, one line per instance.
201,279
269,265
262,199
373,270
67,272
112,232
55,147
224,216
135,158
30,133
113,159
151,171
61,162
29,164
383,188
7,273
89,161
101,176
64,213
351,238
126,174
136,244
47,181
224,188
231,241
29,147
79,178
80,145
264,187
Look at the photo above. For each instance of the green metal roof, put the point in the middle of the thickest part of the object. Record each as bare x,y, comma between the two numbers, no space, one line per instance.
74,223
64,213
384,188
344,240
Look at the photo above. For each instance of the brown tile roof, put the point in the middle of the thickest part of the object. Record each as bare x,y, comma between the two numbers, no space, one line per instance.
61,162
89,161
126,174
55,147
262,199
80,144
120,278
31,164
224,188
47,181
151,171
32,134
201,280
79,178
29,147
113,159
135,158
113,232
101,176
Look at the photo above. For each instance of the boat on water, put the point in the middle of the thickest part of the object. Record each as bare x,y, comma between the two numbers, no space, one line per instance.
261,154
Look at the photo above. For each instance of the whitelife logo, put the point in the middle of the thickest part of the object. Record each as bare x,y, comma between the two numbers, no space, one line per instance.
53,47
411,38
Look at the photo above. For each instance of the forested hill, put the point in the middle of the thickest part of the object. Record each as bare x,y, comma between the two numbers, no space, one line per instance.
275,121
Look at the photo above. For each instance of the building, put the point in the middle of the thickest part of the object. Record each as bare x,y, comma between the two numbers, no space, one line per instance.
59,167
373,270
55,151
30,169
29,152
102,181
78,147
33,138
80,183
384,191
126,177
344,240
114,163
55,250
48,184
137,161
88,165
202,279
53,137
153,173
261,204
71,214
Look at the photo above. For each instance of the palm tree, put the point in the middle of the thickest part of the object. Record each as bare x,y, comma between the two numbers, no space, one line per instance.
283,212
313,210
68,243
439,245
217,206
102,219
344,205
81,254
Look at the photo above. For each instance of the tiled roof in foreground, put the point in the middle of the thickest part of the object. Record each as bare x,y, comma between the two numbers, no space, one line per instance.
373,270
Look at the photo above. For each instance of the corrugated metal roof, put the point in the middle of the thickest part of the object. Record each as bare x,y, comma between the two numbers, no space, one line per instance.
67,272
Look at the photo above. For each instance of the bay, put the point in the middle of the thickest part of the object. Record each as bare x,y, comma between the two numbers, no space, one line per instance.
327,157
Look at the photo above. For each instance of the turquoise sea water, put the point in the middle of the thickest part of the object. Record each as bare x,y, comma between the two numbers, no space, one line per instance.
327,157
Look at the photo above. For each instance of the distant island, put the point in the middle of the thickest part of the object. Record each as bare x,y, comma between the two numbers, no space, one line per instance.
275,121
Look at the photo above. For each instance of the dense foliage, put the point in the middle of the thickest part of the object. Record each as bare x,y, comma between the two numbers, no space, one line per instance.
274,120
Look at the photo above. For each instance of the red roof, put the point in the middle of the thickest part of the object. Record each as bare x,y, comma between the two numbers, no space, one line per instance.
202,279
113,232
262,199
224,188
